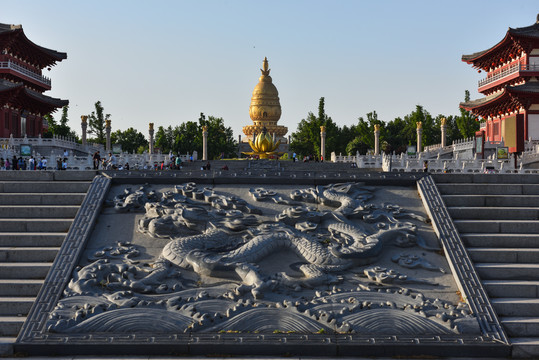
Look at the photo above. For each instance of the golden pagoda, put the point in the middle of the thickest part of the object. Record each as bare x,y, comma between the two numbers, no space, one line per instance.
265,109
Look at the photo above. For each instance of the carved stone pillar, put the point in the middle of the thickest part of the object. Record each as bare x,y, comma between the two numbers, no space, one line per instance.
376,139
323,142
107,131
419,135
151,131
84,126
443,127
205,143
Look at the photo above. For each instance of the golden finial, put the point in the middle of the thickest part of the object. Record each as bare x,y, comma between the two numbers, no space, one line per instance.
84,118
419,125
151,126
265,66
322,129
443,121
204,128
376,127
107,122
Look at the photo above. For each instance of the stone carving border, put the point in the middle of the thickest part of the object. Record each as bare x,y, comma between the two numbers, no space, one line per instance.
34,339
67,258
461,265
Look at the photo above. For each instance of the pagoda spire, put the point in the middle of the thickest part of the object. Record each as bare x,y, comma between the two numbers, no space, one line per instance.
266,68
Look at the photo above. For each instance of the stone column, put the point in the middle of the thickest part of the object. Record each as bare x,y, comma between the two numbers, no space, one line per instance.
443,127
205,143
107,130
151,132
84,126
419,133
376,139
323,142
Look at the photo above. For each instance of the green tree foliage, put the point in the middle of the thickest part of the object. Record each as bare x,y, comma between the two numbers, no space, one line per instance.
60,128
467,122
363,140
306,141
220,138
187,137
130,139
97,123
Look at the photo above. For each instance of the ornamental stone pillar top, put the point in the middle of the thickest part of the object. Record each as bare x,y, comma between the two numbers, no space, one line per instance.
419,125
84,119
443,121
322,129
151,126
376,127
107,123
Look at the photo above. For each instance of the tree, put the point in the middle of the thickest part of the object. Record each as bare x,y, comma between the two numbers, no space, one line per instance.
164,139
187,137
97,123
60,128
306,141
467,122
130,139
364,134
220,138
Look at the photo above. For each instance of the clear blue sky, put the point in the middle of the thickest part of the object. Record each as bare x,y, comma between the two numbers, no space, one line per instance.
168,61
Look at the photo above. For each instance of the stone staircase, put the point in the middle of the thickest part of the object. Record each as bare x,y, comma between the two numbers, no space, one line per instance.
498,220
34,219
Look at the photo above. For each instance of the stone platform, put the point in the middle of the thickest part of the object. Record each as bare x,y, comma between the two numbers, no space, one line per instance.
395,279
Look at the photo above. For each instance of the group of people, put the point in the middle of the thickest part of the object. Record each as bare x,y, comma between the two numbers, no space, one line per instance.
22,163
108,163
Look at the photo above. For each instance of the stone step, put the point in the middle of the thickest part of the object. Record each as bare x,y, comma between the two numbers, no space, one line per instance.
20,287
15,305
507,271
485,179
491,200
6,345
520,326
498,226
28,254
44,186
29,239
517,288
504,255
24,270
488,189
35,225
38,211
41,199
524,347
500,240
11,325
493,213
516,306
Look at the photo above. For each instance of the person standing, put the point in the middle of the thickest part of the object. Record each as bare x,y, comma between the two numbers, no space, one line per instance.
97,159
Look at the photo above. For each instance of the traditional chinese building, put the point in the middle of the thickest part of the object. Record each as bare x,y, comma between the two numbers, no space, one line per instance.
510,108
22,102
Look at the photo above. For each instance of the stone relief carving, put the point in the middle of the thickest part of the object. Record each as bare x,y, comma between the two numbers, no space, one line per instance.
223,269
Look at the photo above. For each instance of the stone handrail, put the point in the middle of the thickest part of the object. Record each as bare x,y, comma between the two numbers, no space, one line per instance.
21,70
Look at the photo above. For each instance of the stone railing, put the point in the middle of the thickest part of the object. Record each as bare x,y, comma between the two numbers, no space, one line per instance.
23,71
56,144
136,161
403,163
